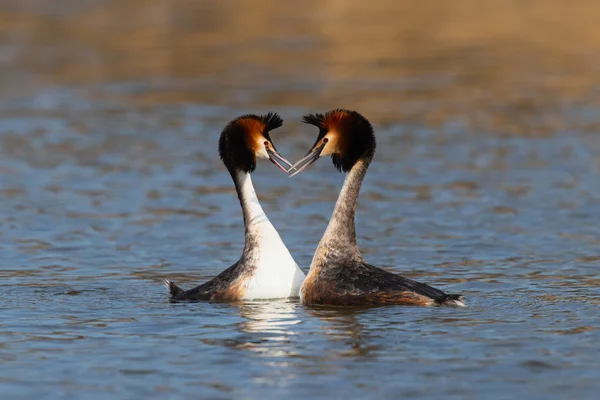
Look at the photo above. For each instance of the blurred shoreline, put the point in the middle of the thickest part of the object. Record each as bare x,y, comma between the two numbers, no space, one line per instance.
503,65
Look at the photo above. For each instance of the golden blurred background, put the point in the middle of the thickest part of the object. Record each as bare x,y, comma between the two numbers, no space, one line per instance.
505,66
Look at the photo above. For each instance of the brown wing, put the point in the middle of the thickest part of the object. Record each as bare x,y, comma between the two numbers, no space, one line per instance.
229,285
359,283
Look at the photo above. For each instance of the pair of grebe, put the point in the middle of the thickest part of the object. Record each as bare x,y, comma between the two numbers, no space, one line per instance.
338,274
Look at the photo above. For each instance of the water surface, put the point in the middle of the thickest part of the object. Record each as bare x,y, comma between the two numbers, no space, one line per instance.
485,182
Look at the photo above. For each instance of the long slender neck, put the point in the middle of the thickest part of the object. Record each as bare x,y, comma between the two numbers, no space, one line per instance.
340,235
254,216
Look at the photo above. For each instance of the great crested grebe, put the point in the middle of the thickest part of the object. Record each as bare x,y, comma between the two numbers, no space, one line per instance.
338,274
266,269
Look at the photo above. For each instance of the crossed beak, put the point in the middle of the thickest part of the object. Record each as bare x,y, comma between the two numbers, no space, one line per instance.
306,161
279,161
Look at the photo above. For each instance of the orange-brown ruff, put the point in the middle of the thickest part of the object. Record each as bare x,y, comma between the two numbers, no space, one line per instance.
266,269
338,273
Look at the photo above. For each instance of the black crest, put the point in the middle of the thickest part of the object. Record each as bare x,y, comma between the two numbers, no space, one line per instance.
356,138
235,144
272,121
317,120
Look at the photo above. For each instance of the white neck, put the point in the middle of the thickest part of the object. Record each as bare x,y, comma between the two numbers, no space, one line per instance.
276,274
254,216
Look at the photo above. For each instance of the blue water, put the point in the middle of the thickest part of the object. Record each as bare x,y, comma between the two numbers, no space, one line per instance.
110,181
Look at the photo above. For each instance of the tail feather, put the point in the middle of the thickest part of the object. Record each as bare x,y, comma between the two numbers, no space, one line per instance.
173,289
452,300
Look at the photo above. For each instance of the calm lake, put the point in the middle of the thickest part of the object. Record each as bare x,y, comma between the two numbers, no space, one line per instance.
486,182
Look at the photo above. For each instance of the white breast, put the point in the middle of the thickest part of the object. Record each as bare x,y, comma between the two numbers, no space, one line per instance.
276,274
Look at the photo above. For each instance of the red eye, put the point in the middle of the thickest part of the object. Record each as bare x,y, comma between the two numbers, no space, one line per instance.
266,142
325,140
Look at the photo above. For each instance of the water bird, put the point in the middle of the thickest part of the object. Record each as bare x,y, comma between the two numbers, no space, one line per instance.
266,269
338,273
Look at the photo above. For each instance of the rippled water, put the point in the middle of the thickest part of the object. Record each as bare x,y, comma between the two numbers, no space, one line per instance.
485,182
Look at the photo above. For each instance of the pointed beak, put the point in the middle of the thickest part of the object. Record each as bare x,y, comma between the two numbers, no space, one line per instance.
306,161
279,161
